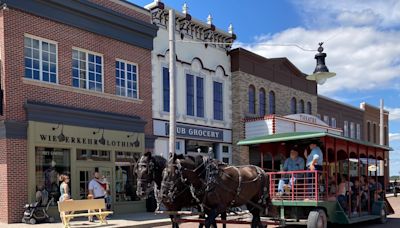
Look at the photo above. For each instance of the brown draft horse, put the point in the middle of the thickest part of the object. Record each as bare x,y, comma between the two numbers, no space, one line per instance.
149,170
219,186
233,186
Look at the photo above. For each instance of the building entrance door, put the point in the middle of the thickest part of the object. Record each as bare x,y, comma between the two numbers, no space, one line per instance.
85,175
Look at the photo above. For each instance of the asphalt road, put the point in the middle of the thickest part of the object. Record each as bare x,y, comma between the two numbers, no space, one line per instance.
393,221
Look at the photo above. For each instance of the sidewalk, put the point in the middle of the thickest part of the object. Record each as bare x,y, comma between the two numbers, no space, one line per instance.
141,220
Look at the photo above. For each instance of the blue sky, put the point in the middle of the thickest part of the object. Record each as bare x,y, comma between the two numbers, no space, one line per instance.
361,40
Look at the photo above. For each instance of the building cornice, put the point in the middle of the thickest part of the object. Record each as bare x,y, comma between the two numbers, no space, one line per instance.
91,17
191,28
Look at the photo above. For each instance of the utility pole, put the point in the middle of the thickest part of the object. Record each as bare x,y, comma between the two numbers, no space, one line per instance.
381,127
172,78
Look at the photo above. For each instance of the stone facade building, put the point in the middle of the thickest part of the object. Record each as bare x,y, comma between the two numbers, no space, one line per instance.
262,86
76,86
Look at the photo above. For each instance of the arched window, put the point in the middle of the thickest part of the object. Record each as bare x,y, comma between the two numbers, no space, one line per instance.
369,132
252,99
271,102
301,104
293,106
261,97
374,139
309,108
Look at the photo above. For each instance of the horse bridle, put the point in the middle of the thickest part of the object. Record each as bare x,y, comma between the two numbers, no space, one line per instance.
149,166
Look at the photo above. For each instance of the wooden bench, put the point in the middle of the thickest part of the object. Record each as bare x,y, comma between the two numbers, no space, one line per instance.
80,208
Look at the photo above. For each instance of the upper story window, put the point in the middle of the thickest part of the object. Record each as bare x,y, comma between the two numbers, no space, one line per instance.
346,129
358,130
374,132
40,59
333,122
262,102
309,109
218,101
326,120
271,102
194,96
293,106
301,106
165,82
385,136
252,99
369,131
126,79
87,70
352,130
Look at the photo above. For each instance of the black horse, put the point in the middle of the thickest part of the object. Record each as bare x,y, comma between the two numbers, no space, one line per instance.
219,186
188,173
149,170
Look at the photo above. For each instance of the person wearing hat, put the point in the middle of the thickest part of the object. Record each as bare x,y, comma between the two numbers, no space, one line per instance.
315,158
293,163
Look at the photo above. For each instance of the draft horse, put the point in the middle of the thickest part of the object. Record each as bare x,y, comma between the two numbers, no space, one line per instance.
149,171
219,186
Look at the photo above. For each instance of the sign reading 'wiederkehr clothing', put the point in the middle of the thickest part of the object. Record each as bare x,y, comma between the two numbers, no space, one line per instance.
196,132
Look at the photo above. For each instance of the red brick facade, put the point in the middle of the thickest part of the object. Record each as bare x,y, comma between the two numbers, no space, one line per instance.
14,24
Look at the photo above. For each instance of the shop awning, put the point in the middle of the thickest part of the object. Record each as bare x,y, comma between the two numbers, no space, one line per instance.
291,136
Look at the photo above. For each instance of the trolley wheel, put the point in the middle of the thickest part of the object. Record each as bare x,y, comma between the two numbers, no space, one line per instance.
317,219
32,221
383,218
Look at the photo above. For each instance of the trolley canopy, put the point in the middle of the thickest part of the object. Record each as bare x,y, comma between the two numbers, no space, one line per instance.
291,136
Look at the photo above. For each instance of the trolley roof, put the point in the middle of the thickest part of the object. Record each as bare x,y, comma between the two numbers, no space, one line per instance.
290,136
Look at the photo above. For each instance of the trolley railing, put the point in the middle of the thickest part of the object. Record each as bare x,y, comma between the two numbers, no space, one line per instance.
298,185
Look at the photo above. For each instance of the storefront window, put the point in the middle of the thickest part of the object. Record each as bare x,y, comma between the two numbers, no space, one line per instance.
50,164
125,181
93,155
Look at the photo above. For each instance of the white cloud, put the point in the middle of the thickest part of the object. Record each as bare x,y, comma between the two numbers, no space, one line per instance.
394,113
364,58
394,137
384,14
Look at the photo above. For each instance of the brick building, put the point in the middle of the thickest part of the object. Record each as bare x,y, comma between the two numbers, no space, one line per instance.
262,86
70,102
340,115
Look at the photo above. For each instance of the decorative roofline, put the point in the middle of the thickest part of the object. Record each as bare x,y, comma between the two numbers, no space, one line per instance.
191,28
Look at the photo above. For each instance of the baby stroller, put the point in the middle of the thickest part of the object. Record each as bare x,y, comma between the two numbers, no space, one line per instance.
37,212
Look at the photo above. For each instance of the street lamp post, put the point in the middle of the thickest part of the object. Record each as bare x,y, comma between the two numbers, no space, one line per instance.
172,78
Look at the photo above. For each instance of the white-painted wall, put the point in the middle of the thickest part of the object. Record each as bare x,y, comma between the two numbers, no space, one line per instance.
198,57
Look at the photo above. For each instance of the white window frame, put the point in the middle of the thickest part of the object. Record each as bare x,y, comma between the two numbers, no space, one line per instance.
333,122
126,78
326,120
41,58
352,130
87,68
346,128
358,130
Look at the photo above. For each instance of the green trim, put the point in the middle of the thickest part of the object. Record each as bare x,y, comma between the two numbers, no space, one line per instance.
291,136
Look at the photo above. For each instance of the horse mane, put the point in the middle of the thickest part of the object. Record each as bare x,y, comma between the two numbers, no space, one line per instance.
160,161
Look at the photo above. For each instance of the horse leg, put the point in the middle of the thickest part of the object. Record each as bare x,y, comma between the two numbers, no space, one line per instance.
210,220
256,221
223,217
203,217
174,224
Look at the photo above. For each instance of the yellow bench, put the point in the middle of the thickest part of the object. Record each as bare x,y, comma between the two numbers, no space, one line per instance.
82,208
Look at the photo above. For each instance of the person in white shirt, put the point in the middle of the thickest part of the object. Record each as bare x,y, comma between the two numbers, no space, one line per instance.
97,189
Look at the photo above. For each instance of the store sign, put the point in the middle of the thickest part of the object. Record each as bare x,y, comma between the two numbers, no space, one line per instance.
195,132
87,141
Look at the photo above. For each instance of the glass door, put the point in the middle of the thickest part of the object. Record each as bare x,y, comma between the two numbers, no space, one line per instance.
84,175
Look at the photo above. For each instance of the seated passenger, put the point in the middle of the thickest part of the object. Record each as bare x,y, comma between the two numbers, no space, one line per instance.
356,196
375,190
293,163
364,193
344,191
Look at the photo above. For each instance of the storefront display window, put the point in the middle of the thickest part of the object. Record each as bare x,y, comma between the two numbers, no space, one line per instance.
93,155
125,181
50,164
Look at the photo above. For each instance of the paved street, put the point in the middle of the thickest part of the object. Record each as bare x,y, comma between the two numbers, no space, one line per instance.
393,222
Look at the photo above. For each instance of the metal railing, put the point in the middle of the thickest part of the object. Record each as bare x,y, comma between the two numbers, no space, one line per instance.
298,185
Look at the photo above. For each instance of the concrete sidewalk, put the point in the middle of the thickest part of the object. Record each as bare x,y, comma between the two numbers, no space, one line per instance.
145,220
